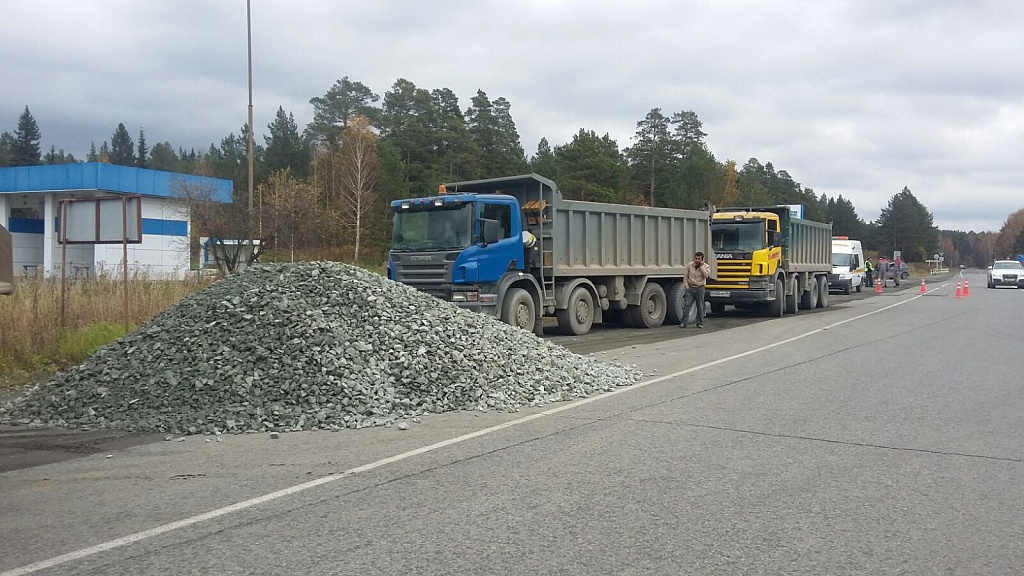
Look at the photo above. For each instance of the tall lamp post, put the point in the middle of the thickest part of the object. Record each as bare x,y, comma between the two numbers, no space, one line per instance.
249,143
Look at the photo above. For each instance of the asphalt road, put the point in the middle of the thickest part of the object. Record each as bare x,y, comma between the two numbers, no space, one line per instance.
879,436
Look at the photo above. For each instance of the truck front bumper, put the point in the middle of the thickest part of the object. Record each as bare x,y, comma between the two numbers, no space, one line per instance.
754,289
732,296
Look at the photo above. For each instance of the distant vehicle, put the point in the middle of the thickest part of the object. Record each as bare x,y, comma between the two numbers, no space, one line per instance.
1006,273
904,271
847,265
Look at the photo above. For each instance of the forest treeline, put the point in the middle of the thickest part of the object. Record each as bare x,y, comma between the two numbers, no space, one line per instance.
327,186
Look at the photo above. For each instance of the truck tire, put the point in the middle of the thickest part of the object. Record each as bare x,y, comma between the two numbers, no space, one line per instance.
777,306
717,307
517,309
859,286
793,298
809,299
848,287
651,311
675,298
822,282
578,318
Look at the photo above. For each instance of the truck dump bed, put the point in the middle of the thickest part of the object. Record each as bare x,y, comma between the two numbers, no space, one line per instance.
809,245
596,239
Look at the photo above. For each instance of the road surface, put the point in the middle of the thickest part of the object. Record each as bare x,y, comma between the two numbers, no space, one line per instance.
880,437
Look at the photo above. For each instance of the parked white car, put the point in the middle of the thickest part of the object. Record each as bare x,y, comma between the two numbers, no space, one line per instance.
1006,273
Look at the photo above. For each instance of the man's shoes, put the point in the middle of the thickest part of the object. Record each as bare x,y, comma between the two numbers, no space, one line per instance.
683,325
700,325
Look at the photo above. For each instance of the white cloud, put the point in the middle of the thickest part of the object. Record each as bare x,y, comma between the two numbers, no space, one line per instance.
853,98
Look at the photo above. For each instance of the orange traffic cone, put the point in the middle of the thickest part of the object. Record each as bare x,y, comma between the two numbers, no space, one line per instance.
967,289
878,286
923,289
959,293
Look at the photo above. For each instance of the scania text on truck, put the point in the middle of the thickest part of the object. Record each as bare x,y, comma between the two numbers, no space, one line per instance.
769,256
515,249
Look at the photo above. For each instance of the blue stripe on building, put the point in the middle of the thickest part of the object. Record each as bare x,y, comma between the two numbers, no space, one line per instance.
158,227
150,226
25,225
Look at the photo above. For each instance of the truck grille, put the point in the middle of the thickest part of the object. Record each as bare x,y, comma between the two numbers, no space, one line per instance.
431,276
732,274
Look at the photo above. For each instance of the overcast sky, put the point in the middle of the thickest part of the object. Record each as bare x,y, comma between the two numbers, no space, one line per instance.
858,98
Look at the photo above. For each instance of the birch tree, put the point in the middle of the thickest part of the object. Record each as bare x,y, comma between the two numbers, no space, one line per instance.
358,169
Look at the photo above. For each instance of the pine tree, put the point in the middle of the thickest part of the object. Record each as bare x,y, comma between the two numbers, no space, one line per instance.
93,155
141,160
26,151
122,149
285,147
6,149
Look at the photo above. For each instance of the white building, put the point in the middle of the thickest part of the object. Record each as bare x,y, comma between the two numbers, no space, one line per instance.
30,204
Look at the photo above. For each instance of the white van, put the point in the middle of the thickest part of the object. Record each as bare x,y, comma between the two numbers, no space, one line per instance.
847,265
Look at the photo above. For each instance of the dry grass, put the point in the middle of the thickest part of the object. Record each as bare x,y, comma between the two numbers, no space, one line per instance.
34,343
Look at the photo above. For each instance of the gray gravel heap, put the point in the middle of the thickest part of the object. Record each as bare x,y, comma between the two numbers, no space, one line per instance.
309,346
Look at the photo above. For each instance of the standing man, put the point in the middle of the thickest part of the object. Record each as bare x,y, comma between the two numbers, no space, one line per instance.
694,279
868,269
882,270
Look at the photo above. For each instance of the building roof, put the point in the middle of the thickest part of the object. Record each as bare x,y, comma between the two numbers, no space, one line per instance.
107,178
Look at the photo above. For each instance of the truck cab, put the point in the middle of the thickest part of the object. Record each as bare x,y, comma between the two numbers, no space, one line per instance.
458,247
746,244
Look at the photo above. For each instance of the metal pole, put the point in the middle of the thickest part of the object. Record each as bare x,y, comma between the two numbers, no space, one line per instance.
124,253
248,23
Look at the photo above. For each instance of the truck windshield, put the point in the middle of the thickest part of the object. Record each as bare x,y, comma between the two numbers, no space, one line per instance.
435,229
738,236
842,259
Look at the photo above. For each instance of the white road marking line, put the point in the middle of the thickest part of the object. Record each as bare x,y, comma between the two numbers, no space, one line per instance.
131,538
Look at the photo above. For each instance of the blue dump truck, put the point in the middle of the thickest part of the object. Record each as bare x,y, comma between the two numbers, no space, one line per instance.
513,248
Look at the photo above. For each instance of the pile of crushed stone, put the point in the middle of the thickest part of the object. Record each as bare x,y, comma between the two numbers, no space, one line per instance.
309,346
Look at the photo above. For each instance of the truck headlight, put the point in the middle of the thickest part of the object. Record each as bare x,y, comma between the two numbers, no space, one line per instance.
465,296
758,283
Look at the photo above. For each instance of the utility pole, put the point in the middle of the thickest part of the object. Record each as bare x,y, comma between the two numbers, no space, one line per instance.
249,143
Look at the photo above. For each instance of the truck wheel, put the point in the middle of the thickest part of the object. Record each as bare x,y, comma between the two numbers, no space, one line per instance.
717,307
675,299
517,309
809,299
792,299
777,306
822,291
651,311
859,286
848,287
579,316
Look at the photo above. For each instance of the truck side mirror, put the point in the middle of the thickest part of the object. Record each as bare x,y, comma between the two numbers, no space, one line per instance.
490,231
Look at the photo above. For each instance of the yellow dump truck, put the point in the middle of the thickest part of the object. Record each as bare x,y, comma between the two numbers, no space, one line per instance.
771,257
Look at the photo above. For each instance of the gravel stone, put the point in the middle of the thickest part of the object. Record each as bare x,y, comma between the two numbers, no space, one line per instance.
309,346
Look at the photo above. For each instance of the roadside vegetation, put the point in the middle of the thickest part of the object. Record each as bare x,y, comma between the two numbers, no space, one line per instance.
34,344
